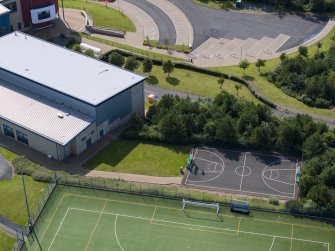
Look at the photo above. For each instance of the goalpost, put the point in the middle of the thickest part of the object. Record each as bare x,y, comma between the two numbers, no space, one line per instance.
215,206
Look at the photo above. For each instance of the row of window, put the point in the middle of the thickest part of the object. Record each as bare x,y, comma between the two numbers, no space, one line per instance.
11,6
20,136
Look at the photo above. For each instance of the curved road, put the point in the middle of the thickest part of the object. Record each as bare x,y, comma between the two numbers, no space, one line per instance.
164,23
148,89
215,23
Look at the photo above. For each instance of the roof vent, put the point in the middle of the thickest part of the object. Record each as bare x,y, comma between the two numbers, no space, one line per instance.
60,115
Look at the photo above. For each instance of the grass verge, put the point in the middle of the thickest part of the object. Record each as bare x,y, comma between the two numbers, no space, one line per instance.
102,16
8,155
12,200
6,241
132,156
181,48
195,83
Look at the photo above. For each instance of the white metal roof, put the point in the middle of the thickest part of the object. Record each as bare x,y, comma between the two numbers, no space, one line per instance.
40,115
3,9
71,73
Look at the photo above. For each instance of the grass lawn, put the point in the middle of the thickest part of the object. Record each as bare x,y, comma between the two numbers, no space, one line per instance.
273,93
195,83
8,155
102,16
12,205
6,242
132,156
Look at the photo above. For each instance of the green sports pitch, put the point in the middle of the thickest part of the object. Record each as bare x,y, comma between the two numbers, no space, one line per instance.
86,219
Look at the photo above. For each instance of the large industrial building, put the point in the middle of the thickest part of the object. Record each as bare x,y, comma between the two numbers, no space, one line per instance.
59,102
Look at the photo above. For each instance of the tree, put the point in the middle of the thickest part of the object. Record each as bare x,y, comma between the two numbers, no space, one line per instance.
116,59
319,45
303,51
168,67
244,64
283,57
238,87
321,195
260,63
221,81
89,53
76,48
147,66
131,64
314,145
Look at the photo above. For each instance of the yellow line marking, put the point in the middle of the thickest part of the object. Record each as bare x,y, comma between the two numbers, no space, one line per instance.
96,224
194,229
153,215
239,224
291,237
194,211
51,220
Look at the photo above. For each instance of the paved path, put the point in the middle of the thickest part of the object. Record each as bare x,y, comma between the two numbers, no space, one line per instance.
181,23
136,177
9,226
145,25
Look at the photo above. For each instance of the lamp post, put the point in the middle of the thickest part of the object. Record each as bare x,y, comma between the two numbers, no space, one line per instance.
26,200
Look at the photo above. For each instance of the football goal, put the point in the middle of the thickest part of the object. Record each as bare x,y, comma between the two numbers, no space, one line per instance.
215,206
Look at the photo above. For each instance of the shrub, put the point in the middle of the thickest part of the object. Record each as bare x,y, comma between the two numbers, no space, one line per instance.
274,200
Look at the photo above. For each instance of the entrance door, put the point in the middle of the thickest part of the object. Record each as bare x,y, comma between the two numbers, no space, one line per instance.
101,133
88,143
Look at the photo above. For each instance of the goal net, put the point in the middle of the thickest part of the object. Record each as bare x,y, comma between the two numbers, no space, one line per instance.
215,206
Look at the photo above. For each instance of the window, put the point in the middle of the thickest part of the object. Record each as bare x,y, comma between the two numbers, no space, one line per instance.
8,131
22,137
43,15
83,139
19,27
11,6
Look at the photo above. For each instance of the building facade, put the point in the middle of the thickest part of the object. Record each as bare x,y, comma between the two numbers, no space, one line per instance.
64,101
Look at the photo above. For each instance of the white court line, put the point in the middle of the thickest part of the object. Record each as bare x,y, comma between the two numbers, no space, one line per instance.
193,225
210,161
271,174
196,152
273,241
286,183
61,223
215,167
245,191
245,159
117,239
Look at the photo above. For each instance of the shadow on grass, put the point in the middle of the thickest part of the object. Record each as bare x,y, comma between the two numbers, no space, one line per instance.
172,80
152,80
248,77
114,153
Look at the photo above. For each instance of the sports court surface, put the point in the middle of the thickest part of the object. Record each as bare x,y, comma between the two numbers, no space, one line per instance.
240,172
87,219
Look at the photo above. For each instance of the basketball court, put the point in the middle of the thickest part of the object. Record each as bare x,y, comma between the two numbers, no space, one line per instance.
247,173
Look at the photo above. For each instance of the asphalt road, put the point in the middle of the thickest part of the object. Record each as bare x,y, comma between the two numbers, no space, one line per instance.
280,112
209,22
164,23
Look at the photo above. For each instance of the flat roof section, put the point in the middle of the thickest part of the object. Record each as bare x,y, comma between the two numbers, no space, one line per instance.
71,73
40,115
3,9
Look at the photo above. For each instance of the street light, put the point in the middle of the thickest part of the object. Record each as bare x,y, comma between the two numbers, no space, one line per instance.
26,200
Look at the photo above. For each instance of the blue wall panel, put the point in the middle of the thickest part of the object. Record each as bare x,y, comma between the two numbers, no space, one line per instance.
4,24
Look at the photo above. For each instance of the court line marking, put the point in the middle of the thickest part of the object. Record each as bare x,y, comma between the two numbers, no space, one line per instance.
273,241
193,225
115,233
51,218
153,215
245,191
201,212
291,238
245,159
59,227
239,224
96,224
286,183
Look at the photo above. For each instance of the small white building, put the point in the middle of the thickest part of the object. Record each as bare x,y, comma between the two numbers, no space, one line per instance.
59,102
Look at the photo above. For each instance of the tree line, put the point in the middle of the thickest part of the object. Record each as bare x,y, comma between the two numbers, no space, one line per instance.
308,79
231,122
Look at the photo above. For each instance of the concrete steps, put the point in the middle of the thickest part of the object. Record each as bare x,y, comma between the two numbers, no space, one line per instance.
276,44
229,47
258,48
203,47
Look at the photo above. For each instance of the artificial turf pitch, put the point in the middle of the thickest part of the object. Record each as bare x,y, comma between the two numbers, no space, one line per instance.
86,219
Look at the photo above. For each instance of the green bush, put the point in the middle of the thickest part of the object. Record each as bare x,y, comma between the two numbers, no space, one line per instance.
274,200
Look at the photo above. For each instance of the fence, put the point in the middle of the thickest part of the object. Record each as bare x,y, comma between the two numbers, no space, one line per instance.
154,190
22,235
